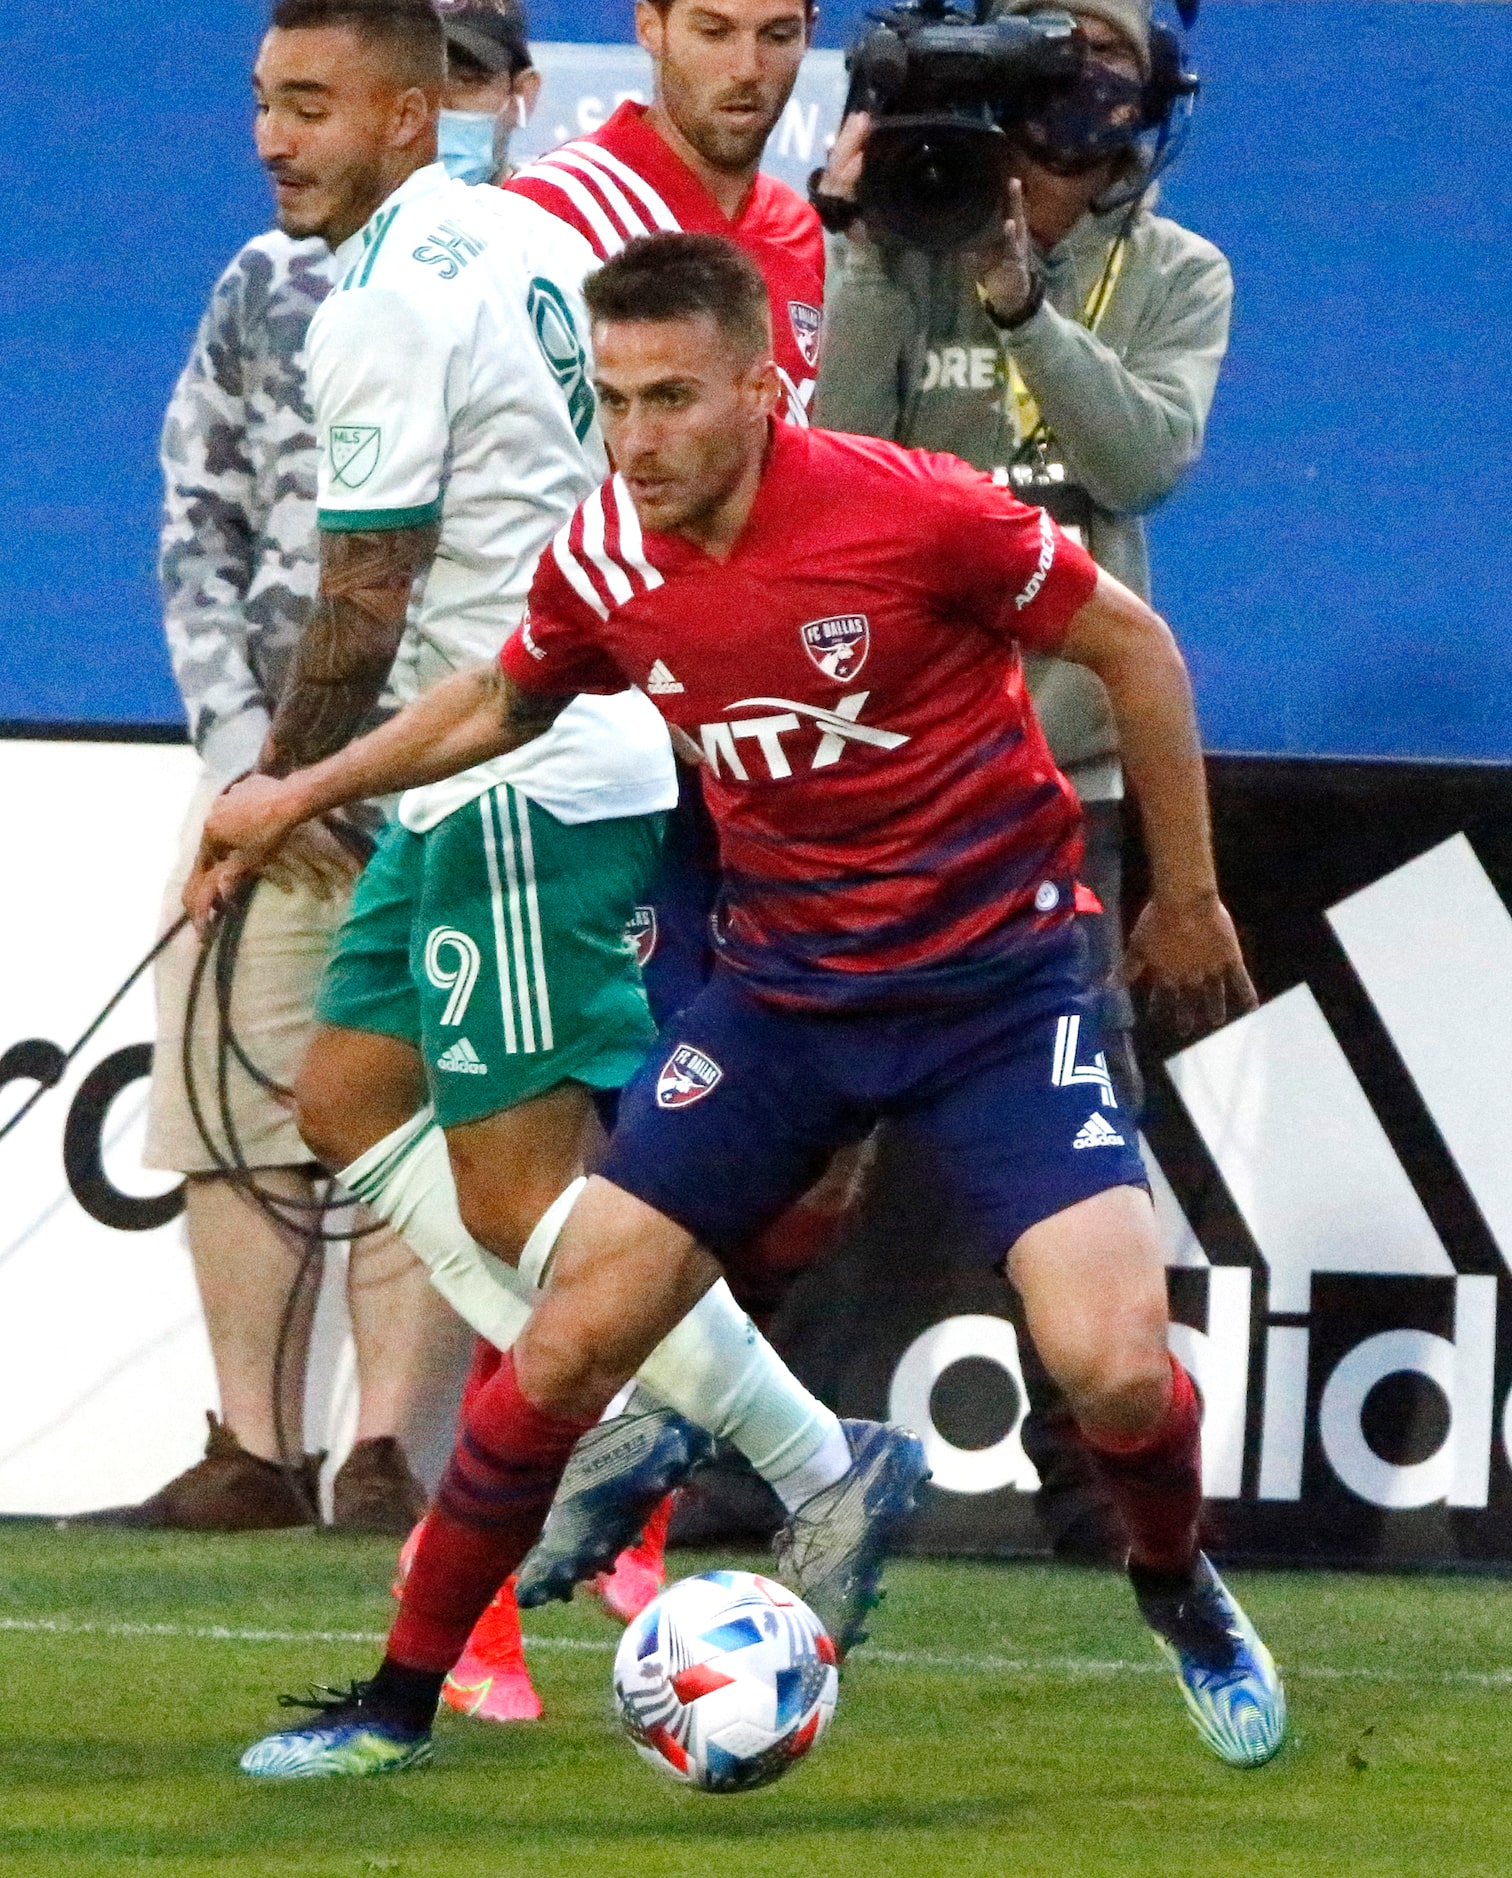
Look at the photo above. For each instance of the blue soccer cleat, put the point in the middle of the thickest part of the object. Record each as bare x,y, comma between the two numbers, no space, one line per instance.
619,1473
831,1550
347,1739
1228,1678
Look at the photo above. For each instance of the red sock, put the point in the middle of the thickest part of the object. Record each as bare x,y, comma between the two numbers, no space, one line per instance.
489,1510
1156,1483
762,1273
481,1371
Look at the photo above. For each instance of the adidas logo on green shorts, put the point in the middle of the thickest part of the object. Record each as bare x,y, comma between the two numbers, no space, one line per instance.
462,1059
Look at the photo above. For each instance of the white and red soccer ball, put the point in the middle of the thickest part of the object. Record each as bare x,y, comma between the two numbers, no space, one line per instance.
726,1681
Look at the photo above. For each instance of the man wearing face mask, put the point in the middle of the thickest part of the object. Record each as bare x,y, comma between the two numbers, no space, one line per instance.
1077,357
491,89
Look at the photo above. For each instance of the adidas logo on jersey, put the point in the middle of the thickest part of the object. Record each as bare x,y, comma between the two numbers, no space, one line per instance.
660,682
462,1060
1096,1133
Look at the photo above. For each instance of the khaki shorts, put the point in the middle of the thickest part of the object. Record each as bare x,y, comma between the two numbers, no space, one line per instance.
284,947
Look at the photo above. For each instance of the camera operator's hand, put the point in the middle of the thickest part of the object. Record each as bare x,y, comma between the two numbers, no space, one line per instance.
1005,266
842,173
1187,956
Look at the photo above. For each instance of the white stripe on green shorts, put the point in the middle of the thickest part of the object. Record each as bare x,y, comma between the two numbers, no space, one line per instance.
510,857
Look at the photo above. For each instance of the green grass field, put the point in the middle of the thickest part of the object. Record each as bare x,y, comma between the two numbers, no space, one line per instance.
1009,1721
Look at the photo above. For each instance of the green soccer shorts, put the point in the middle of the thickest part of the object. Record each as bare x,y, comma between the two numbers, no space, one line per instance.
495,944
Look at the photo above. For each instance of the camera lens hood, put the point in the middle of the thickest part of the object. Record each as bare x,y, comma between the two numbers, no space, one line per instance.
935,182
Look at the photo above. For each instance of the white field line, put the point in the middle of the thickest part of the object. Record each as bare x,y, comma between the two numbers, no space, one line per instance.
1051,1667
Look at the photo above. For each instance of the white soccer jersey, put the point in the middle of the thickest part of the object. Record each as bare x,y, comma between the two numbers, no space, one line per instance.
450,381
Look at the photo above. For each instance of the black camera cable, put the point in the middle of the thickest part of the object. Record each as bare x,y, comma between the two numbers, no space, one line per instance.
306,1219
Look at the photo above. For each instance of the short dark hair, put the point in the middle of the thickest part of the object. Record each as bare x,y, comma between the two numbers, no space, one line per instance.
410,30
676,277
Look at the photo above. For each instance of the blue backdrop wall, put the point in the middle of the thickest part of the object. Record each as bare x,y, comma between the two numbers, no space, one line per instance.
1339,567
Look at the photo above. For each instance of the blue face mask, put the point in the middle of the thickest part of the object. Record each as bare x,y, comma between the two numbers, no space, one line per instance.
471,144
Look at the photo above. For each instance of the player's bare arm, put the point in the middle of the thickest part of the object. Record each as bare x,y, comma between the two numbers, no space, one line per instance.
1183,948
342,662
464,720
347,651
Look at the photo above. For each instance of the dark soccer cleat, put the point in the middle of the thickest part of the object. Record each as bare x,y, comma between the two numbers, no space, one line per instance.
831,1550
348,1738
619,1473
1227,1676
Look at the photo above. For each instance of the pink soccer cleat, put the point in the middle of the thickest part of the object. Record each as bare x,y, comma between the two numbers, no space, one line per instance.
490,1681
639,1572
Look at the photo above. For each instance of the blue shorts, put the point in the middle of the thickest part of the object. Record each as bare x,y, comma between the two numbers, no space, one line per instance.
676,956
740,1106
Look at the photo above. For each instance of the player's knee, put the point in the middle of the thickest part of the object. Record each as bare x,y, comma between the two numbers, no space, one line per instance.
501,1220
1124,1393
318,1112
563,1372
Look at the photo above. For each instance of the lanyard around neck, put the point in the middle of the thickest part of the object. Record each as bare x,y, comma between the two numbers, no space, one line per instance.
1029,426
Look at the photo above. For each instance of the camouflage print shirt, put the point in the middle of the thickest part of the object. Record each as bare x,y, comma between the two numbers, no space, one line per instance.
239,556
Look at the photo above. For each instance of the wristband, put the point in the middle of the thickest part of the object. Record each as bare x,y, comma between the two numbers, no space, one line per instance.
835,212
1026,312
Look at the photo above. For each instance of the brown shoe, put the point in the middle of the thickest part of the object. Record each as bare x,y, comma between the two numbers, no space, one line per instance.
230,1490
374,1490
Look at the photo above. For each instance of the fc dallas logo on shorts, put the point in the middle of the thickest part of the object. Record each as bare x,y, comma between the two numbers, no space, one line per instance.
687,1076
838,646
640,932
806,323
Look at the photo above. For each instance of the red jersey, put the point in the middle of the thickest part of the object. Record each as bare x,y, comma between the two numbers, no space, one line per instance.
623,181
892,826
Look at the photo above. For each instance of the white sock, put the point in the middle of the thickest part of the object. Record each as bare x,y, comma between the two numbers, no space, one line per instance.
406,1179
718,1370
715,1368
822,1469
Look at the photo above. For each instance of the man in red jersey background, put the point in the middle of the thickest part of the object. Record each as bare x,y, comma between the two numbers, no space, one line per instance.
839,623
724,71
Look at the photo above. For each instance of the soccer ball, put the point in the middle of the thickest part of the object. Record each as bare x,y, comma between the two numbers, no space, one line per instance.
726,1681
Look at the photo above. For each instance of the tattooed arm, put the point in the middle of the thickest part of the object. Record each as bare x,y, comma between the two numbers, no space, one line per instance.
466,719
346,652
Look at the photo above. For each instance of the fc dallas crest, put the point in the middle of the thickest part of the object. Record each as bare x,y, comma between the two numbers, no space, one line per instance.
838,646
640,933
806,323
687,1076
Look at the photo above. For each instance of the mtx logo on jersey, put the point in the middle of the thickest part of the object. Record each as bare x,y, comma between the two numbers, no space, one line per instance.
807,321
640,935
838,646
687,1076
836,729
